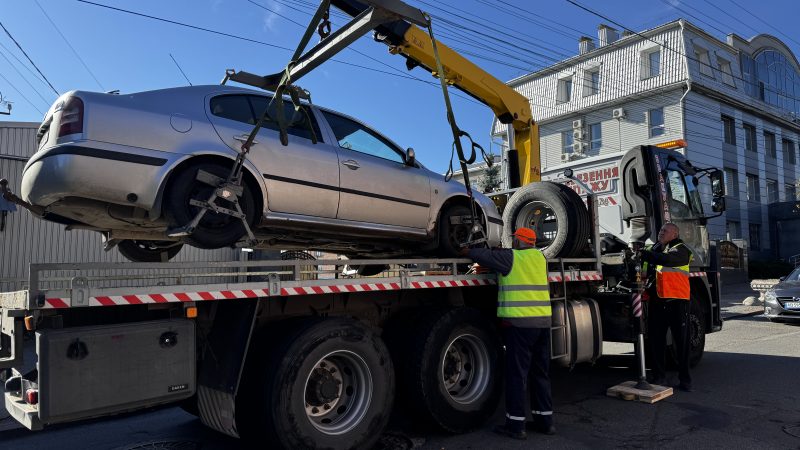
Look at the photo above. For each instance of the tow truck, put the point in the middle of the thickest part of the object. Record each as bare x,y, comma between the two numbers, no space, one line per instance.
293,353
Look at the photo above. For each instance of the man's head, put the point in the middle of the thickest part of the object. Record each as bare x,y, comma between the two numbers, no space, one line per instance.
524,238
668,232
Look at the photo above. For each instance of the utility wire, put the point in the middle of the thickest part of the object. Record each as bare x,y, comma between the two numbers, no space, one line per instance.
764,22
29,58
20,93
179,68
24,78
75,52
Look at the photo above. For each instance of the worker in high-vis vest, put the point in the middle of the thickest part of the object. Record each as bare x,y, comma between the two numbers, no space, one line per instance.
523,306
667,267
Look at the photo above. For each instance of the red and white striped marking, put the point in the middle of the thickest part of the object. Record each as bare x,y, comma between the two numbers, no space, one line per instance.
199,296
697,274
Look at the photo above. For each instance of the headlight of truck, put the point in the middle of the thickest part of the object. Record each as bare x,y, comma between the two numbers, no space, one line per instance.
770,297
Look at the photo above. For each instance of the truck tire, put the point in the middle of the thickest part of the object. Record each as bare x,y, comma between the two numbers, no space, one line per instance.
448,367
215,230
323,384
555,212
148,251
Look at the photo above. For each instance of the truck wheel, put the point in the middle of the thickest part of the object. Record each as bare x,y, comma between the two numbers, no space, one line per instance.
558,217
697,337
325,384
215,230
148,251
448,366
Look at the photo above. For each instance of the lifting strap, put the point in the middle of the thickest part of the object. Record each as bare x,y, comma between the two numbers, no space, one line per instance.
477,234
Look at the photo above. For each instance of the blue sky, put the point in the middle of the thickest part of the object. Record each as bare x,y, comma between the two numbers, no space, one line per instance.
132,53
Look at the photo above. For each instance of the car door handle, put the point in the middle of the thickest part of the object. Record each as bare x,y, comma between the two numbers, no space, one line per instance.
243,138
352,164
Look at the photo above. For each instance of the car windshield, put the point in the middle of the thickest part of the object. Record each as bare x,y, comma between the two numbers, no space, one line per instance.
794,276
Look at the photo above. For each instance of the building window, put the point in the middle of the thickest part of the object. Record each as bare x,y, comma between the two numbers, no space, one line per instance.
567,141
788,152
750,137
595,137
656,118
772,191
755,236
565,90
729,130
733,229
701,56
790,192
753,188
731,183
769,144
651,63
591,82
725,70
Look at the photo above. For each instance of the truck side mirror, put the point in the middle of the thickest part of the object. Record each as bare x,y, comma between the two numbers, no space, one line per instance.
718,184
718,204
411,157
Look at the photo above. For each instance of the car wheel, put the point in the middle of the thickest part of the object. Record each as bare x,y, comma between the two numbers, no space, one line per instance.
149,251
448,366
322,384
215,230
452,235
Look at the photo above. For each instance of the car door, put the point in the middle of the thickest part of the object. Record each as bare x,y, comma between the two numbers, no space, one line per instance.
301,178
376,184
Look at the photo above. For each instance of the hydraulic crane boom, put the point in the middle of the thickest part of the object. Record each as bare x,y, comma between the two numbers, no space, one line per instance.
395,24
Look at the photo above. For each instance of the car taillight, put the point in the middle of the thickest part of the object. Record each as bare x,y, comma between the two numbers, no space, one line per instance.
71,117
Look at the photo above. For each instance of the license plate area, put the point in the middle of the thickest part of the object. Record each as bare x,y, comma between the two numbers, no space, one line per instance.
792,305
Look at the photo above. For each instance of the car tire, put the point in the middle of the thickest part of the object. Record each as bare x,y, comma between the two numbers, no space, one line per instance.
293,374
449,367
149,251
555,212
451,236
215,230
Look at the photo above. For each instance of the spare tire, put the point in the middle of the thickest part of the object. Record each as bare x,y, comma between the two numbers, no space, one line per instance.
555,212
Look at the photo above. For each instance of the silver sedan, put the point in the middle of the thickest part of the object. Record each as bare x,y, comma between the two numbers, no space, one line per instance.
131,166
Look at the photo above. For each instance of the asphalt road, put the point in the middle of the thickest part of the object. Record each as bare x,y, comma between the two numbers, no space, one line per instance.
746,396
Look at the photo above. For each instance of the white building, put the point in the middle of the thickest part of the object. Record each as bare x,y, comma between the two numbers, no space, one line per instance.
734,102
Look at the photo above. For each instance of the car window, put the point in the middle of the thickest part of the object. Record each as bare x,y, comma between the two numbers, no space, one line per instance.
354,136
245,109
298,121
794,276
233,107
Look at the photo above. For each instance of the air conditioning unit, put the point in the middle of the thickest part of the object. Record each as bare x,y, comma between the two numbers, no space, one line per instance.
577,123
577,148
566,157
577,134
618,113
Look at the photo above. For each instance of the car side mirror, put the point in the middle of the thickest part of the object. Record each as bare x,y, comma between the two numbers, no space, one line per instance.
411,157
718,204
782,279
717,183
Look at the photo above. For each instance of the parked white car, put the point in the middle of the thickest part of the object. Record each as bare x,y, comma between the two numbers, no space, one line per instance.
127,165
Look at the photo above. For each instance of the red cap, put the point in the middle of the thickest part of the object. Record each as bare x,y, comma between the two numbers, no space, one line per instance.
526,235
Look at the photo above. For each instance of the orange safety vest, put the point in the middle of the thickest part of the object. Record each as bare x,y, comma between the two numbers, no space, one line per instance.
672,282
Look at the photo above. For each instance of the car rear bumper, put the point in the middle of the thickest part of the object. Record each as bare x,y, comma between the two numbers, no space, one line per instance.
86,172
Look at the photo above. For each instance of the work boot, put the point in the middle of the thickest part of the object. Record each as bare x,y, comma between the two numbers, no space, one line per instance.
541,428
505,431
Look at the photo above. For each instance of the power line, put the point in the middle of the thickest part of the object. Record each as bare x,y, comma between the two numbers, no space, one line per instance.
20,93
29,58
75,52
179,68
764,22
24,78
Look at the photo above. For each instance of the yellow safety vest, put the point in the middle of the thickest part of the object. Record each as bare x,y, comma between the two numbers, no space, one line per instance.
523,299
672,282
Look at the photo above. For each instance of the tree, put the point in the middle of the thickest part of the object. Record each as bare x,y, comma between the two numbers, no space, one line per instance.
490,180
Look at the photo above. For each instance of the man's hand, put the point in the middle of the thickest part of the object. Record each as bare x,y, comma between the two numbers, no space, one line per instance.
476,269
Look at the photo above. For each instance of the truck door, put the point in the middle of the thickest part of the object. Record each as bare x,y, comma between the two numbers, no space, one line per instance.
376,184
302,178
